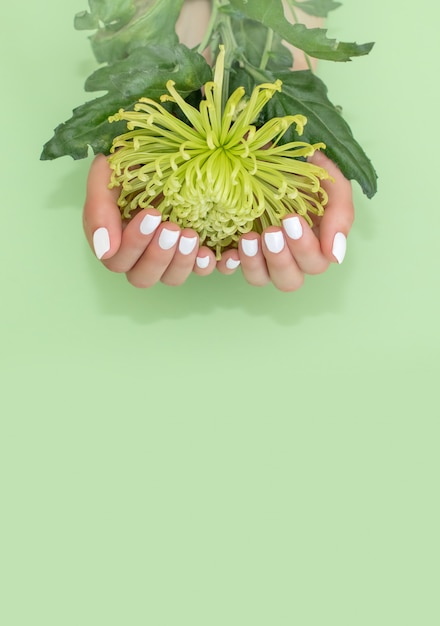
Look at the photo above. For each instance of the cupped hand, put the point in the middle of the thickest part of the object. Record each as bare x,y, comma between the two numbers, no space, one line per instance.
145,248
149,250
285,255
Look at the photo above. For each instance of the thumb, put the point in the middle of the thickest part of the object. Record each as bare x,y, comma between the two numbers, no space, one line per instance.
101,216
338,215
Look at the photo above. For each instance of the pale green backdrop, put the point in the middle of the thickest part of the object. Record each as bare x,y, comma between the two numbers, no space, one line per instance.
217,454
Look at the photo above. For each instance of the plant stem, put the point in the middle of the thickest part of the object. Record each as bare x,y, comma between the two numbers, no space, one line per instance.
210,29
267,49
226,34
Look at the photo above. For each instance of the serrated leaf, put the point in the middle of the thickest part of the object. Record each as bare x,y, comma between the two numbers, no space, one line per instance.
85,21
144,73
251,38
153,22
318,8
303,92
312,41
109,11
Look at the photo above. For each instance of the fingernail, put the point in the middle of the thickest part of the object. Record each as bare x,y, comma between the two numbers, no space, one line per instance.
187,245
249,246
339,247
293,228
150,223
274,241
202,262
101,242
168,238
232,264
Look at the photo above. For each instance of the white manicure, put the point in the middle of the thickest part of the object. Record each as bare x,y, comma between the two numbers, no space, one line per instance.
150,223
249,246
202,262
274,241
293,228
168,238
339,247
187,245
232,264
101,242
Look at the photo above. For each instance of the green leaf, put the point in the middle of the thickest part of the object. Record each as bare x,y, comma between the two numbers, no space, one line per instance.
251,38
86,21
104,14
318,8
124,25
312,41
144,73
110,11
303,92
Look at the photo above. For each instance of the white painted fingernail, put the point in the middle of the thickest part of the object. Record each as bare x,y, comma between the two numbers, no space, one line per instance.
101,242
150,223
249,246
187,245
274,241
232,264
168,238
293,228
339,247
202,262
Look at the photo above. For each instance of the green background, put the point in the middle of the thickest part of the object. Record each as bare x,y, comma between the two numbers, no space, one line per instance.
220,454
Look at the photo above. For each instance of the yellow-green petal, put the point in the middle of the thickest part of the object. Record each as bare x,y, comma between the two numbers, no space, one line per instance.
220,175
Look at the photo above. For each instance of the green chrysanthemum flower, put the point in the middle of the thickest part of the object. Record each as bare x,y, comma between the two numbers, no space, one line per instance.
221,176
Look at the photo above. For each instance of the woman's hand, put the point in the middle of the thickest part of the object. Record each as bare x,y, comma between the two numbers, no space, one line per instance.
146,249
285,255
149,250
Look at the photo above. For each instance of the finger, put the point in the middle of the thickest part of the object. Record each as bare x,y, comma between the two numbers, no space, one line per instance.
205,262
304,245
183,260
136,237
338,215
101,216
229,262
158,255
282,267
253,263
